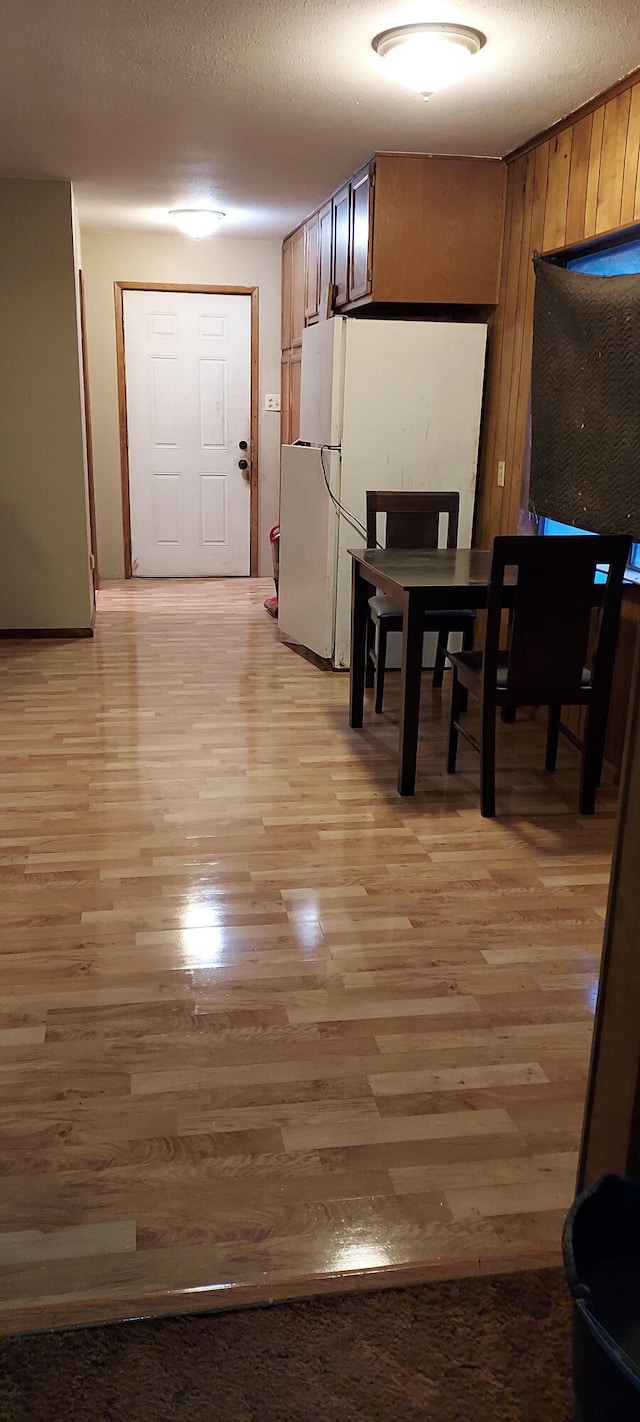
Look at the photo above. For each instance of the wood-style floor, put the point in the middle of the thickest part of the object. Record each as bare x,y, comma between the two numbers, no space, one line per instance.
265,1025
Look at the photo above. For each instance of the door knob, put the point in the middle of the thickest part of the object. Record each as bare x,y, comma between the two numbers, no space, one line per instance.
243,464
243,444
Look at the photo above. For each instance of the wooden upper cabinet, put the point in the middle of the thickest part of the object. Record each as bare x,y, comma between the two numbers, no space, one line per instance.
360,234
297,287
437,229
408,229
311,268
325,257
286,294
293,299
341,234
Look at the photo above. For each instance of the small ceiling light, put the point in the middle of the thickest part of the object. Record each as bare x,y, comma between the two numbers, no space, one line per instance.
426,57
196,221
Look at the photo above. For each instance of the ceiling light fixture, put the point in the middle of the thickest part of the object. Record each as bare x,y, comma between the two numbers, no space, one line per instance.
196,221
425,56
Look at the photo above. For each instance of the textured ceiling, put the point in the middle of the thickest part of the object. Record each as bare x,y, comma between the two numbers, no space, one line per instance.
261,107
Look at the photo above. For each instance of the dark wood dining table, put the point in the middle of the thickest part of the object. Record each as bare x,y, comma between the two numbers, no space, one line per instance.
423,580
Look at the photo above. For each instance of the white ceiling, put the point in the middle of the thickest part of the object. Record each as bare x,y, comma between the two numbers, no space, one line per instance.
261,107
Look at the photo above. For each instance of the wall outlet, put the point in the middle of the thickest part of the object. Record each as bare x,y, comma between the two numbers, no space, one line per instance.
272,402
501,469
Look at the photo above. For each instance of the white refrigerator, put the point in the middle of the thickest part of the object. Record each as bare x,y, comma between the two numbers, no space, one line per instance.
384,405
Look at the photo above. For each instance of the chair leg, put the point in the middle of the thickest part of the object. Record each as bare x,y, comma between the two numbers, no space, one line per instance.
601,742
488,761
438,666
371,648
467,646
601,747
458,692
592,755
553,733
380,667
508,713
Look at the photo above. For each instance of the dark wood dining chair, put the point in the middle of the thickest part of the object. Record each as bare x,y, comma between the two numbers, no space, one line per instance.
555,656
412,521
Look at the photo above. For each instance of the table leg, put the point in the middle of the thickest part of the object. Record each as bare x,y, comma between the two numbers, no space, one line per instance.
412,635
359,614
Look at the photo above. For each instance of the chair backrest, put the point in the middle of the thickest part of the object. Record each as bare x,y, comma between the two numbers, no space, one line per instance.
413,518
551,638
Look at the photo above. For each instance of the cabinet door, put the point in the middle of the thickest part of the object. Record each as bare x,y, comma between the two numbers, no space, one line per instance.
311,268
285,403
325,257
360,234
295,371
286,295
438,229
341,245
297,287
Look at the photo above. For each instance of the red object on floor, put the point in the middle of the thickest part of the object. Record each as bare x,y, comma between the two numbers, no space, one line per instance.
271,605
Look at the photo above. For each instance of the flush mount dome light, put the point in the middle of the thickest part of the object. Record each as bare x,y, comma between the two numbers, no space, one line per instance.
196,221
426,57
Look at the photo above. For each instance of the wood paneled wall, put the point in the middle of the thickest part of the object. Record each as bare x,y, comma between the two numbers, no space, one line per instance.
581,180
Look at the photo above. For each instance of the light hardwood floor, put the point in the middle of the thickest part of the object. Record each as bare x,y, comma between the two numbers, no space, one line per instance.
266,1027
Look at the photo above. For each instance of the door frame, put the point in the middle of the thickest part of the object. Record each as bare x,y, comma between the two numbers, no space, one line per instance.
93,534
198,290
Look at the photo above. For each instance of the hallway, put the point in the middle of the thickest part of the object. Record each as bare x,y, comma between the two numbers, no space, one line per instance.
264,1024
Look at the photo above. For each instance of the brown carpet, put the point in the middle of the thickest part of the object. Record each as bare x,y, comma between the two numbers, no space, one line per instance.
472,1350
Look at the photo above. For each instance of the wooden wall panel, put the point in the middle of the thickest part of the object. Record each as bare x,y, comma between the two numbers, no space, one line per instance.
612,156
581,180
577,195
593,172
557,194
494,435
632,150
519,395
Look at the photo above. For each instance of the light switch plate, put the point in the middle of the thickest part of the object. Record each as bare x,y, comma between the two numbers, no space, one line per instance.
272,402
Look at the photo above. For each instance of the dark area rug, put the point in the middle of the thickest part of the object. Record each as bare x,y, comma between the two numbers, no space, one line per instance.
469,1350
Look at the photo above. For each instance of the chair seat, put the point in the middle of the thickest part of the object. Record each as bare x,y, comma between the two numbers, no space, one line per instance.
456,620
472,662
382,606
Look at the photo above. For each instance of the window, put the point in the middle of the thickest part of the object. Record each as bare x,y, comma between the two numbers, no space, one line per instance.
549,527
618,260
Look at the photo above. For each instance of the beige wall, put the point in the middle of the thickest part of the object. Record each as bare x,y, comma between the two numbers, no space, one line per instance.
45,579
123,256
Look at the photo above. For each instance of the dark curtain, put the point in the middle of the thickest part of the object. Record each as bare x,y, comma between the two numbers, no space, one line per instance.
585,400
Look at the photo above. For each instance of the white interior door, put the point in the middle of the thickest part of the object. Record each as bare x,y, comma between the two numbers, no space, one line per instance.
188,384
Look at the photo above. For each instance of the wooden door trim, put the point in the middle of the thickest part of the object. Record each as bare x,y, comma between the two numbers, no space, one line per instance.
88,434
199,289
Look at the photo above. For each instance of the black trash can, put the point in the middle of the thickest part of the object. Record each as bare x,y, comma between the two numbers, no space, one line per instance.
601,1249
